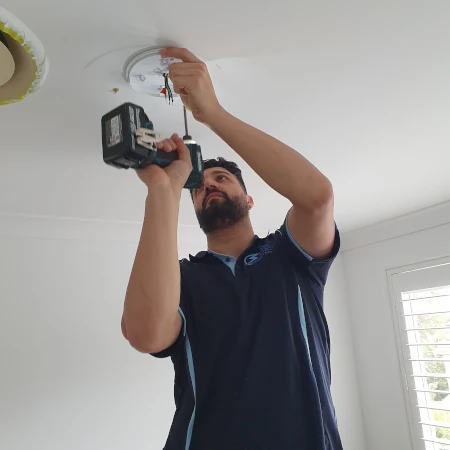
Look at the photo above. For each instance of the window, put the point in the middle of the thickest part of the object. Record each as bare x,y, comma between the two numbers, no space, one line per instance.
421,304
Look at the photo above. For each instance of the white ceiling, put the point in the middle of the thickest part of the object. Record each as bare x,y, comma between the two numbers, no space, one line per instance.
362,89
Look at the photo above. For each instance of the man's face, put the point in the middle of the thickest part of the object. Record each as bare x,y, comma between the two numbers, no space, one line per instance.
221,202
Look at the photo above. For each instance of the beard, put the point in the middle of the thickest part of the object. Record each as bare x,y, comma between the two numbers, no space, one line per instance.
219,214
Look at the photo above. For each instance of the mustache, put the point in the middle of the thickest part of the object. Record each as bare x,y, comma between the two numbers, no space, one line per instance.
212,191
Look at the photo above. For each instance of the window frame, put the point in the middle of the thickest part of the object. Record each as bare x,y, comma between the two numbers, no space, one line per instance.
401,337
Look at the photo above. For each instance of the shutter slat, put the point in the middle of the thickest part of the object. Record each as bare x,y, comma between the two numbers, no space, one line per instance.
428,328
437,441
427,313
431,359
425,298
431,375
431,391
437,424
429,343
437,408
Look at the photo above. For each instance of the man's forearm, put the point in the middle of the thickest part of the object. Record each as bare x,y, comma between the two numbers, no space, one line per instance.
153,294
280,166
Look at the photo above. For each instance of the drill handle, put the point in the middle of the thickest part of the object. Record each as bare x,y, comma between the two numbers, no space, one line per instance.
163,159
195,180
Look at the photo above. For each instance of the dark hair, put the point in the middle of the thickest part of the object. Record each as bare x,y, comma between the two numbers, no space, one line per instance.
232,167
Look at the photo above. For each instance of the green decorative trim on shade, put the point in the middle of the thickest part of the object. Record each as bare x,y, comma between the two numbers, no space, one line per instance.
18,31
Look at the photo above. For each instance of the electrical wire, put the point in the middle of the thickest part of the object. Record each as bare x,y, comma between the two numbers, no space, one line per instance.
168,92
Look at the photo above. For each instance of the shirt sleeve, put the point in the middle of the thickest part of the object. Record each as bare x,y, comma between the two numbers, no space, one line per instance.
317,268
180,341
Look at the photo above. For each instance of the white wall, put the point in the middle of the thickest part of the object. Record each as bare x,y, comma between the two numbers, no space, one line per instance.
68,379
418,237
344,387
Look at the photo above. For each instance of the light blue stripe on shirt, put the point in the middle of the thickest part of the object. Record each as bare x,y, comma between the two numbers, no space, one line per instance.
190,361
301,313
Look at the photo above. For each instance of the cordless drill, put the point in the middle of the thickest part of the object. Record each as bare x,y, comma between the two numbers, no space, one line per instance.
129,141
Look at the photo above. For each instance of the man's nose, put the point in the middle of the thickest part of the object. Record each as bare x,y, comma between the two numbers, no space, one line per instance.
210,184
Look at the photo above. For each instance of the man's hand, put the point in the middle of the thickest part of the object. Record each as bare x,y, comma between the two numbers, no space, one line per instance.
192,82
176,173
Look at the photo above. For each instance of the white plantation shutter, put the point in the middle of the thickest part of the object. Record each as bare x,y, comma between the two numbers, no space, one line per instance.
421,304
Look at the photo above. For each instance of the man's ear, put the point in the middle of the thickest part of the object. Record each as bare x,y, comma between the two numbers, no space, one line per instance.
250,202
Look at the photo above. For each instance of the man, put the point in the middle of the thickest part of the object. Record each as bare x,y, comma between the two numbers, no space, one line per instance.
242,322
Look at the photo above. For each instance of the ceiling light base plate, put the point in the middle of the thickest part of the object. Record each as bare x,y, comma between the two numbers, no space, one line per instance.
144,70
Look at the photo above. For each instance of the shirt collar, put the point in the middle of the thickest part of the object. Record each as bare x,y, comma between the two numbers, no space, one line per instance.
208,253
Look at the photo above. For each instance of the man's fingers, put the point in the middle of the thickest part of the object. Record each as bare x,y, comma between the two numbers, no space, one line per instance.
185,84
183,151
171,144
188,75
167,145
179,53
182,68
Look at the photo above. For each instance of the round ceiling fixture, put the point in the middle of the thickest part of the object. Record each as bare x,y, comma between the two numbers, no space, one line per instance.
144,72
23,61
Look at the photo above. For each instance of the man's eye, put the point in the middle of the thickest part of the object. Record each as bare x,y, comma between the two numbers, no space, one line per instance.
221,177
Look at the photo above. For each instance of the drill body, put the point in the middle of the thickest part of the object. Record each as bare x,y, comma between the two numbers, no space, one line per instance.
128,141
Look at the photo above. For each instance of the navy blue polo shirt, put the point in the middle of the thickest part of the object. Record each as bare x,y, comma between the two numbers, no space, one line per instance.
252,362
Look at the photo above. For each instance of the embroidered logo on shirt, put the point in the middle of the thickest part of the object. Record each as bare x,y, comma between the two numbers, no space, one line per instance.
252,259
267,248
264,249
